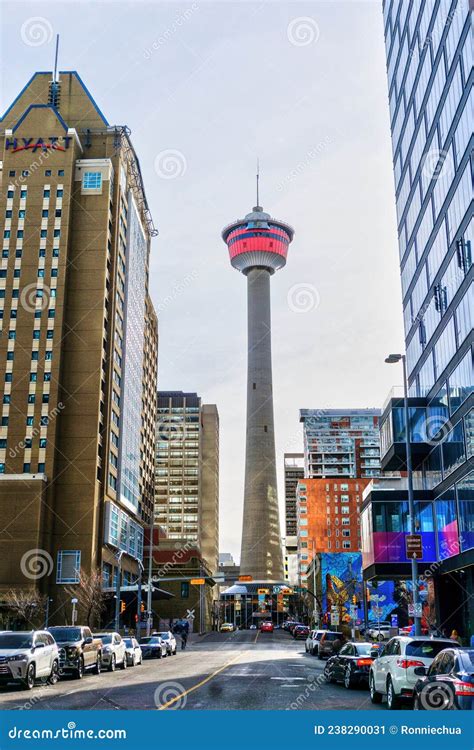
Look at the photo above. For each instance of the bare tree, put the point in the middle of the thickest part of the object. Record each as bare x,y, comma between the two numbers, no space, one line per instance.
28,605
89,594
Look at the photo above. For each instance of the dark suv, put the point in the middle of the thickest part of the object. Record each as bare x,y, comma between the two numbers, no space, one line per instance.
330,644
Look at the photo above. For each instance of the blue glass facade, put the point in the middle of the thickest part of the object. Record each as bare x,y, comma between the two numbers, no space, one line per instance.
135,294
430,52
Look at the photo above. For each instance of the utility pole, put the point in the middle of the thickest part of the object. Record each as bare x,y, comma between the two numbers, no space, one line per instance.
149,613
139,597
117,591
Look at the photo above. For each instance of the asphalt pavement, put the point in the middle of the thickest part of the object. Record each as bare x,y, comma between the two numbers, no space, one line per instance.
242,670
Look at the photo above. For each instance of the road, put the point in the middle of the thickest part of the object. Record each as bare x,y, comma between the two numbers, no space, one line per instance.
242,670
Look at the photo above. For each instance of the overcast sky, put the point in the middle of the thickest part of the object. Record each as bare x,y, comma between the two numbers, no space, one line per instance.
206,87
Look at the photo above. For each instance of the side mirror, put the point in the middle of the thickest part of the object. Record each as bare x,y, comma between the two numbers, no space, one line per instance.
420,671
39,645
375,653
87,641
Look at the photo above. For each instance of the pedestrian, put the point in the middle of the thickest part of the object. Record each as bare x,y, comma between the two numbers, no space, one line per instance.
184,640
455,636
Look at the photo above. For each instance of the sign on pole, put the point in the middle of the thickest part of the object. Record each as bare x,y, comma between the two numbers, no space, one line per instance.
197,581
414,547
245,578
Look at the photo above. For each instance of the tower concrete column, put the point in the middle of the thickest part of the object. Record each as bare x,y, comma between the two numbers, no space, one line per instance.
261,554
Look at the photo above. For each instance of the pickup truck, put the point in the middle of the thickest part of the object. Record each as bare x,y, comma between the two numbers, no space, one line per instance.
78,650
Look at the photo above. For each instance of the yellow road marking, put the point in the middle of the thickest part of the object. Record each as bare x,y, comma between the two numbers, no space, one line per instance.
200,684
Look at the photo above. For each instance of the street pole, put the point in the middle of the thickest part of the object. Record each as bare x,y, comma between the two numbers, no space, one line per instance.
46,614
117,591
139,597
74,602
314,582
411,503
149,615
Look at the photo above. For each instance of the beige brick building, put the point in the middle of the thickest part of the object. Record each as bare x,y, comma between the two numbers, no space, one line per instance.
78,344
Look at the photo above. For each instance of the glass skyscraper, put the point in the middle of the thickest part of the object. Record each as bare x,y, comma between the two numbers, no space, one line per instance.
429,48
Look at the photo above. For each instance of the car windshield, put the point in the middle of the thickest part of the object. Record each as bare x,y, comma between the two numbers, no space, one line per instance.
128,641
427,649
469,657
150,639
105,638
66,634
165,636
333,636
16,640
363,649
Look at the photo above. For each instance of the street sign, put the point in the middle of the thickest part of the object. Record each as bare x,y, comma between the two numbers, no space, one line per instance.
276,589
245,578
334,619
418,609
414,546
197,581
411,610
394,621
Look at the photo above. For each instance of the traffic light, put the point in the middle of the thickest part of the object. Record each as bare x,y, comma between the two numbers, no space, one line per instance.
123,606
142,607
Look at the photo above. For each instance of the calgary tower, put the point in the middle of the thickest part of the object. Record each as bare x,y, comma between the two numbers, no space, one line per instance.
258,246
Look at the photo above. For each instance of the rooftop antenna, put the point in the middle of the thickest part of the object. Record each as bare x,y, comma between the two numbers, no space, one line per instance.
258,180
55,74
54,87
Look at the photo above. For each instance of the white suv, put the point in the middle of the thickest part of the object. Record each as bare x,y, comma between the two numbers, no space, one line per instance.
114,652
27,656
311,645
392,672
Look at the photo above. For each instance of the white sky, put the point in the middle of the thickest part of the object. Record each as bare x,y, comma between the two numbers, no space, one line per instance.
220,83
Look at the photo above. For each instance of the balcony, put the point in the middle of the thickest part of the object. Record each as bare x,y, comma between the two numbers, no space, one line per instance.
424,426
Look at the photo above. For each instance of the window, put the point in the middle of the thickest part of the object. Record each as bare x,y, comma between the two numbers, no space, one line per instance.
41,468
346,545
59,193
26,468
60,172
68,566
45,213
23,193
184,590
47,173
92,181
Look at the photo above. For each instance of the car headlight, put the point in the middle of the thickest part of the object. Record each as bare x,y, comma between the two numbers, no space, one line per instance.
72,651
19,657
107,649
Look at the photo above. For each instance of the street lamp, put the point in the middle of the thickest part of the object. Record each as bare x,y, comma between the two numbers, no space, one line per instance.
117,590
393,359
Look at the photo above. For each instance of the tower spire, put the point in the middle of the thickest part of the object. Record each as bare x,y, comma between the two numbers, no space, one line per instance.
258,179
55,74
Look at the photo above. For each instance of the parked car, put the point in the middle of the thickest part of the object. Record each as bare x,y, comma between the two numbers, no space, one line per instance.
27,656
133,652
300,632
78,650
392,672
351,665
294,625
379,632
266,627
447,683
330,643
113,651
406,630
311,645
227,627
253,627
153,647
168,637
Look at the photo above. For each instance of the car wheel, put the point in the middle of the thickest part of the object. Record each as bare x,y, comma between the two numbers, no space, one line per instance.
54,676
375,697
393,700
380,638
175,650
80,669
98,665
125,662
29,681
348,681
134,661
112,664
